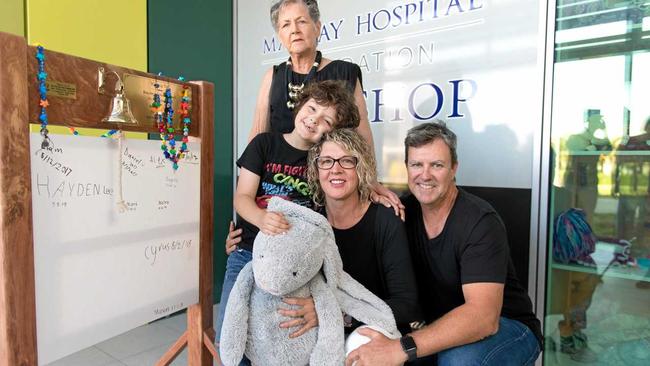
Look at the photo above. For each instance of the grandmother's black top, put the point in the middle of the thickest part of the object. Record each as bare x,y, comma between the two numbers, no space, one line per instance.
281,117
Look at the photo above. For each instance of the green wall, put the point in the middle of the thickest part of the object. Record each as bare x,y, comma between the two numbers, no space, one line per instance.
194,39
12,17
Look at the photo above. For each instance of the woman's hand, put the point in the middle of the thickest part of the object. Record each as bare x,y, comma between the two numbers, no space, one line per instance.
233,238
305,316
274,223
388,198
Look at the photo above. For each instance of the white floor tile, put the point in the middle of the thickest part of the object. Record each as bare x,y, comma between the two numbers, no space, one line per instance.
142,346
150,357
177,323
138,340
90,356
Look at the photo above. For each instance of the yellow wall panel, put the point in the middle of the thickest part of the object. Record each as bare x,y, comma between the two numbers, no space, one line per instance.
12,17
109,31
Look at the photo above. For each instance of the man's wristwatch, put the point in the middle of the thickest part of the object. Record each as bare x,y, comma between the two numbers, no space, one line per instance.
409,347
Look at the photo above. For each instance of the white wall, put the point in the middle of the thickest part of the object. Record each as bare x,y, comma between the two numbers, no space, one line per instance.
473,63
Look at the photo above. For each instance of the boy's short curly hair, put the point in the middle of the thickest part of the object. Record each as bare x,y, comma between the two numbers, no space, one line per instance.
332,93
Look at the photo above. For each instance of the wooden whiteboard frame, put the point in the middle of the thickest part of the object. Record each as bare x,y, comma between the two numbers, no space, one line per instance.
19,107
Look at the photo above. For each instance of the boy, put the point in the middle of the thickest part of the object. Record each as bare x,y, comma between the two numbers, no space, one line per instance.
275,164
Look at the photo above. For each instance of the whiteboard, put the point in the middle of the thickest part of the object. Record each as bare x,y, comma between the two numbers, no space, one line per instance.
99,272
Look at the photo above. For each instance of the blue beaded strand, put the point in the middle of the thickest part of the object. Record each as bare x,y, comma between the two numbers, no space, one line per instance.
41,76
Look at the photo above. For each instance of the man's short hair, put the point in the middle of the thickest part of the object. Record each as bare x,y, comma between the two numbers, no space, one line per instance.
426,133
332,93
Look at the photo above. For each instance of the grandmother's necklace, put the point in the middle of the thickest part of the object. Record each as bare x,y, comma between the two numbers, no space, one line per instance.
294,90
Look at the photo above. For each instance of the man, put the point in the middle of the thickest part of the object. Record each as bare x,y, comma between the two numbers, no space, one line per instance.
476,310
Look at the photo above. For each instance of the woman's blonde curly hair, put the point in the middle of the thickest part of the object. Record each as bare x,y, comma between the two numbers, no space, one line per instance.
350,140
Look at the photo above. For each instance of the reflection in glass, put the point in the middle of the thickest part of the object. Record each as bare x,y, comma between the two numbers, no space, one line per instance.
598,285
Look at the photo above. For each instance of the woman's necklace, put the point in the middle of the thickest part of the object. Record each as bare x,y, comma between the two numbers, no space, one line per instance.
164,120
294,90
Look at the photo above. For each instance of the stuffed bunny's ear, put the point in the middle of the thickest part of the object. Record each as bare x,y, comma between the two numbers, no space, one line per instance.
364,306
235,322
329,348
332,263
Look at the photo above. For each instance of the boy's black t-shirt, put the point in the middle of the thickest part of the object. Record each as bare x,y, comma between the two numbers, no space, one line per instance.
283,172
472,247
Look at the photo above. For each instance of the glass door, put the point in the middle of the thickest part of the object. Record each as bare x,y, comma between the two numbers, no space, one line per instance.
598,270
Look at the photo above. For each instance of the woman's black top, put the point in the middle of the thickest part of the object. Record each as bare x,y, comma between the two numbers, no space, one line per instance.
375,252
281,117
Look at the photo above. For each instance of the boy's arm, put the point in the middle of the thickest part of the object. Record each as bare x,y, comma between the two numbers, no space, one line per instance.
268,222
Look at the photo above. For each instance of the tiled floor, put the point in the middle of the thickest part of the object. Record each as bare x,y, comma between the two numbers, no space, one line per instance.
142,346
617,326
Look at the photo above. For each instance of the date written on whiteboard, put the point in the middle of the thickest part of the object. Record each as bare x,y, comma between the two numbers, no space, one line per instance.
131,206
53,163
153,252
171,182
168,309
163,204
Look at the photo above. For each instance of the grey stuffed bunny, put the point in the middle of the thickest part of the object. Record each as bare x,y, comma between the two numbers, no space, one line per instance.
289,265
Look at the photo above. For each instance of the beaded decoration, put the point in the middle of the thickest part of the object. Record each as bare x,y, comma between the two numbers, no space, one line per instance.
42,91
109,133
163,116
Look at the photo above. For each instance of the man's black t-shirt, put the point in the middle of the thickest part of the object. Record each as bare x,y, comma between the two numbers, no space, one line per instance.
283,172
375,252
472,247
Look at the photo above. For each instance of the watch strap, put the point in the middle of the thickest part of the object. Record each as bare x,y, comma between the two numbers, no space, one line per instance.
409,347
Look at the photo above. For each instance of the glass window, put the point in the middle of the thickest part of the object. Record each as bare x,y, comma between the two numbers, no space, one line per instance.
598,284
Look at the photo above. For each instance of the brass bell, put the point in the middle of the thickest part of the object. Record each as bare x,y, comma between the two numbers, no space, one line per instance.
120,107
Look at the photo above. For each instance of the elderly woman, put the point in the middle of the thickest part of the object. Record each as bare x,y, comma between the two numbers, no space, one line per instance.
297,24
372,241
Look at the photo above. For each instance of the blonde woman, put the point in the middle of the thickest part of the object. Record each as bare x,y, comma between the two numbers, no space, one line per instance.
372,241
